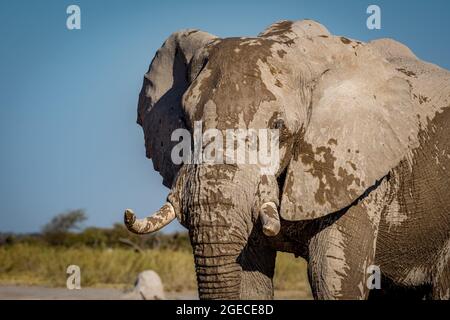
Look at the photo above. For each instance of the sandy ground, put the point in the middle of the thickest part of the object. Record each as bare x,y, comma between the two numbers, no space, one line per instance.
43,293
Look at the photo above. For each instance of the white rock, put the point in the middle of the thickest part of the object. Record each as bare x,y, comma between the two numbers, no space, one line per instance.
148,286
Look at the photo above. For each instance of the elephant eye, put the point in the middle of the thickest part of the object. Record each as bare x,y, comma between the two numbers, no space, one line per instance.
278,124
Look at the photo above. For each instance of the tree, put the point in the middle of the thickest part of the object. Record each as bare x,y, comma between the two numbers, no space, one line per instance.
57,230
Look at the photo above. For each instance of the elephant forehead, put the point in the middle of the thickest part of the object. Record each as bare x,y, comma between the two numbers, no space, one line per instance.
240,54
235,80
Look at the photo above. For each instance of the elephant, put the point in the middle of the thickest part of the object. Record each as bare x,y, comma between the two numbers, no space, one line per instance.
364,161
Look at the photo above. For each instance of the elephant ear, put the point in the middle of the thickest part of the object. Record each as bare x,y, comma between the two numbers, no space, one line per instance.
173,68
430,84
362,123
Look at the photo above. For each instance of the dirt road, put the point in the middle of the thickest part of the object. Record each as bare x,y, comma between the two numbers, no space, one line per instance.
44,293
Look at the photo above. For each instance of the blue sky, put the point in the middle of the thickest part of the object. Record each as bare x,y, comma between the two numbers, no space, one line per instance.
68,99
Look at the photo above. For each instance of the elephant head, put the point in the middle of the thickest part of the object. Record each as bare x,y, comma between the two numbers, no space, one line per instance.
344,118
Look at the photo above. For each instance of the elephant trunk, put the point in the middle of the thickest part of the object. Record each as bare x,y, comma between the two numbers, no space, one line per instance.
216,249
218,273
220,219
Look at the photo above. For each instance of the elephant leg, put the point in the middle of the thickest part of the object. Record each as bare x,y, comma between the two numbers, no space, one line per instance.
441,281
258,265
342,252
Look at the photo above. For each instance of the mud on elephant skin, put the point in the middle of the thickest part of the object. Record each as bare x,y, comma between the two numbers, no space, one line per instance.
364,154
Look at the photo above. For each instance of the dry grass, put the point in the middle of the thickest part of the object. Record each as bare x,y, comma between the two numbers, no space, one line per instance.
46,266
42,265
291,273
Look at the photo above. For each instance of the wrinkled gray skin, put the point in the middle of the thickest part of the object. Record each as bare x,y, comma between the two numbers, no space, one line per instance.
365,160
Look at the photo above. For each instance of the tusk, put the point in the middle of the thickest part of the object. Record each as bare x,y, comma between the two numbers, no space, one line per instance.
152,223
270,219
